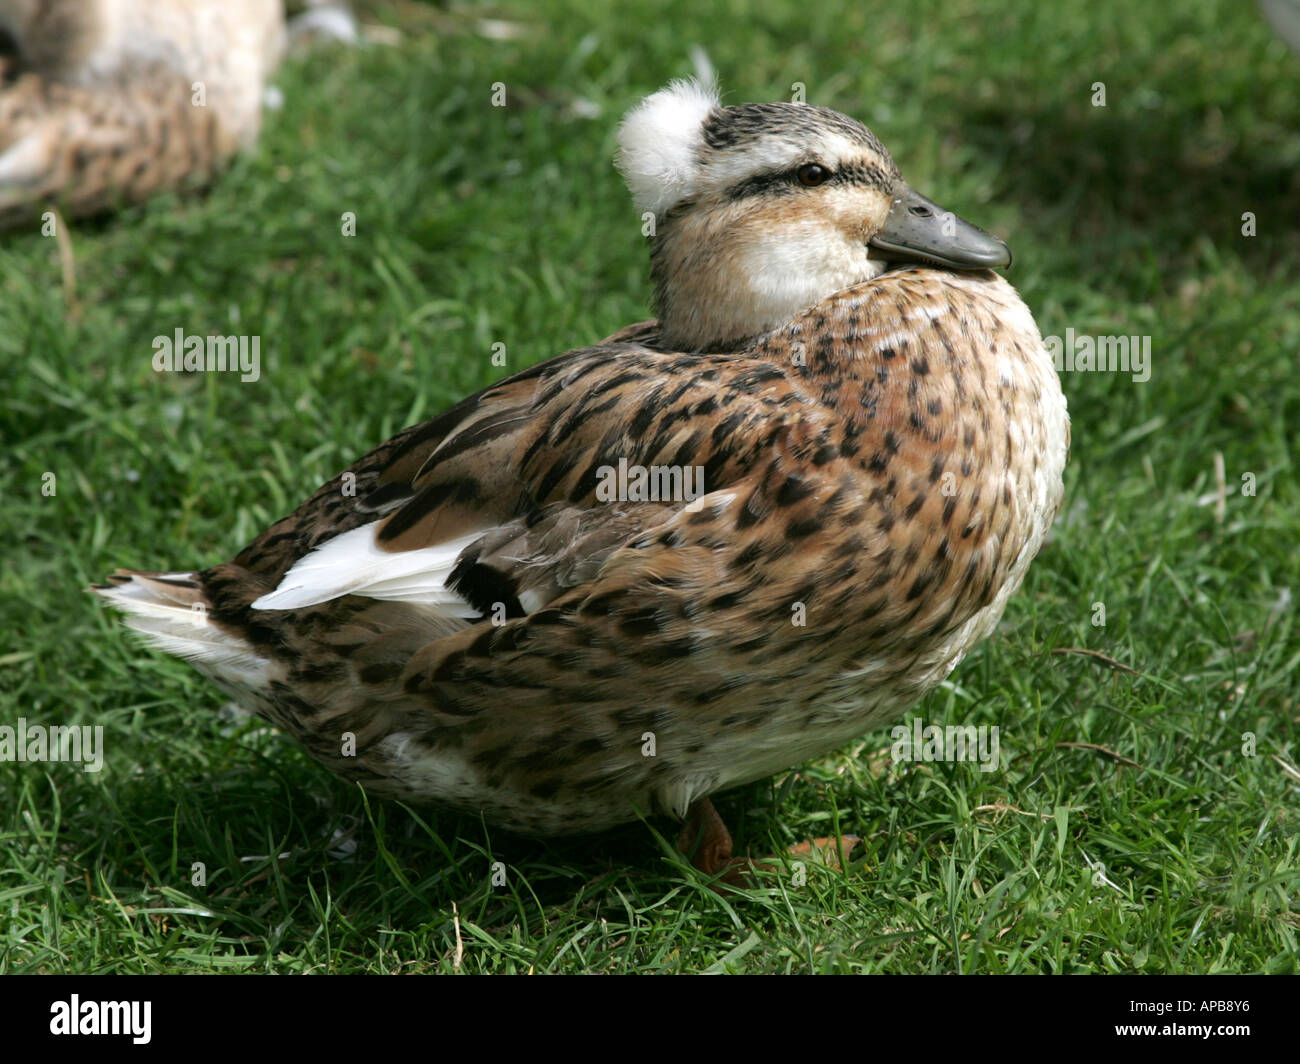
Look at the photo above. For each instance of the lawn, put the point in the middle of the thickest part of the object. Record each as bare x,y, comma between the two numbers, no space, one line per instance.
1145,816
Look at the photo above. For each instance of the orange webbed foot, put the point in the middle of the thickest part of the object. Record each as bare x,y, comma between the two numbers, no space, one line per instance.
705,839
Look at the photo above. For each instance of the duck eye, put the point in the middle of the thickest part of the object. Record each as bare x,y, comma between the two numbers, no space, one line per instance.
813,175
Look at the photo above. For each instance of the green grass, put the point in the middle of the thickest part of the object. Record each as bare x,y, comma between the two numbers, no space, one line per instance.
478,225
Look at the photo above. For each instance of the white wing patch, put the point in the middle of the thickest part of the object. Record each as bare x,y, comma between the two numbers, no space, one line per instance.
353,564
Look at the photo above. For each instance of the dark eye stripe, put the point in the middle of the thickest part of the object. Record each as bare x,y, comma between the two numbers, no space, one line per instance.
765,185
868,175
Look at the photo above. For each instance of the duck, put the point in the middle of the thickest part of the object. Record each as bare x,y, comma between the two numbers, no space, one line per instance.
106,103
110,102
715,545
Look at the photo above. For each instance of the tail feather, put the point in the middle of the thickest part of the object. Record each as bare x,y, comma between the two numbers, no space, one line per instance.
171,611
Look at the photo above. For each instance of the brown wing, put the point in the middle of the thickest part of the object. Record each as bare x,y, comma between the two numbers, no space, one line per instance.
825,459
523,460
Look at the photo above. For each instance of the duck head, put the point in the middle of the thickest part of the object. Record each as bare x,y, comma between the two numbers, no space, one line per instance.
763,210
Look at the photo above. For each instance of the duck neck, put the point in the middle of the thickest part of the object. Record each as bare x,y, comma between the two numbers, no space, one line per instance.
720,283
707,297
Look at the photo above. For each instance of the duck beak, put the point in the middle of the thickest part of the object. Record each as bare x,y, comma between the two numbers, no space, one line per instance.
918,229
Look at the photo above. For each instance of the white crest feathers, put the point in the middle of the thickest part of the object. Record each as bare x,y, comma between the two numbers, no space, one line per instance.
658,141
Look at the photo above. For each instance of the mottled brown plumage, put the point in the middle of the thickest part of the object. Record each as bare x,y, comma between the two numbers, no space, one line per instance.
879,468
